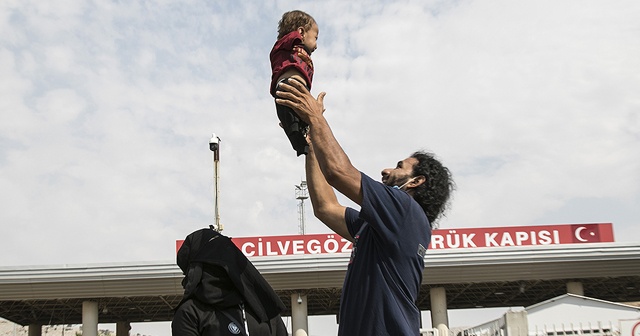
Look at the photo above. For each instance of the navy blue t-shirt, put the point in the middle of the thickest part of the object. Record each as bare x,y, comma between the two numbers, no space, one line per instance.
381,286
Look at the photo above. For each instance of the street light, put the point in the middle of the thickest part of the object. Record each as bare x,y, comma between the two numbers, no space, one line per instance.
214,146
301,194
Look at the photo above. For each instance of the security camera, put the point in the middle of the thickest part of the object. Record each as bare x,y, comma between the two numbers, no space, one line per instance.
214,143
299,299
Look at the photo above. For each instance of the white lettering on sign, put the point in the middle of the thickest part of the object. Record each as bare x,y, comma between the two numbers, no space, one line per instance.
453,240
445,239
313,246
275,246
521,238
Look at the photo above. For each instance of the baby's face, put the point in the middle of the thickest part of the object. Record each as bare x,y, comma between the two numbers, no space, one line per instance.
310,38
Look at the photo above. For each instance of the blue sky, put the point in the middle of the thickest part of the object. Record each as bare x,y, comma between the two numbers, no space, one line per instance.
107,108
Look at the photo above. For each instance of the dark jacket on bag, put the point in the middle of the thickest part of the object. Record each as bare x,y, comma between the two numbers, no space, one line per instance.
224,285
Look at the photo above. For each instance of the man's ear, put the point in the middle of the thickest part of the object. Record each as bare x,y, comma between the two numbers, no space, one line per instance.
417,181
301,31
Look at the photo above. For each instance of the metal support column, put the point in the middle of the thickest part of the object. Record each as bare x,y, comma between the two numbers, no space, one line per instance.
575,287
122,328
35,329
89,318
439,315
299,315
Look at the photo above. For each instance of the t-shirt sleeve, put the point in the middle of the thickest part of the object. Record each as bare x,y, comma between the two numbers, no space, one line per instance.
353,220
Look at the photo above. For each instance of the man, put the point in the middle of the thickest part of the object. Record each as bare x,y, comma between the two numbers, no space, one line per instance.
391,231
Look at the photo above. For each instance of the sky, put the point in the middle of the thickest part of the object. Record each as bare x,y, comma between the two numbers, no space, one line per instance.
107,108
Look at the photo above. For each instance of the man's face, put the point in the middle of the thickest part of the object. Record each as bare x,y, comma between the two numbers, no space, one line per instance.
400,174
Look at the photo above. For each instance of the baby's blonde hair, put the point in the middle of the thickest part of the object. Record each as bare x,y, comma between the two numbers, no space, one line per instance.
292,20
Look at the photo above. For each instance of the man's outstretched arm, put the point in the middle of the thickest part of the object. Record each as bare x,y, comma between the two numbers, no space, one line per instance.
332,160
323,198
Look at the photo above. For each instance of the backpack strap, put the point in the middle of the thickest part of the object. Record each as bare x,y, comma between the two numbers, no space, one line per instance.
243,326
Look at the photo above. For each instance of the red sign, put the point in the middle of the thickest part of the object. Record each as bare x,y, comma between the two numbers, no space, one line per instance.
629,327
522,236
440,239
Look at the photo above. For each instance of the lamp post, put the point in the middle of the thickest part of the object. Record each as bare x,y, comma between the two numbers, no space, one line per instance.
301,195
214,146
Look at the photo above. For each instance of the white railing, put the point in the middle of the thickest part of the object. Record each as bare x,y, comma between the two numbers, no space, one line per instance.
491,328
507,325
607,328
429,332
510,324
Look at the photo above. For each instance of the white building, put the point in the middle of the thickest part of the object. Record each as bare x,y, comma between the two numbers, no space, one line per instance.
571,314
565,315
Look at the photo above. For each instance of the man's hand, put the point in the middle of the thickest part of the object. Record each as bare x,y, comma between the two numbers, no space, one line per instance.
333,162
295,95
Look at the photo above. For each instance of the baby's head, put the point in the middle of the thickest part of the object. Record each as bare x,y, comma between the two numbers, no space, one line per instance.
304,23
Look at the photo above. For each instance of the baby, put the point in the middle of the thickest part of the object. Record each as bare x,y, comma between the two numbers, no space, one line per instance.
290,58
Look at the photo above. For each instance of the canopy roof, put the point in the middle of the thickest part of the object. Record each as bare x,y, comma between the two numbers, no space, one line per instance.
478,277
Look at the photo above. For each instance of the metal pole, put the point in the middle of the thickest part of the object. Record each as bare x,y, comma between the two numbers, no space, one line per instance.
302,223
214,146
299,315
89,318
216,164
301,194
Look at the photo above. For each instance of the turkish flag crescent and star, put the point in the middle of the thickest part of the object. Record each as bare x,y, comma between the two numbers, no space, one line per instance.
585,233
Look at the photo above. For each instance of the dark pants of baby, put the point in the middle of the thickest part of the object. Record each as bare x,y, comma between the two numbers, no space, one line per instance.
294,128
